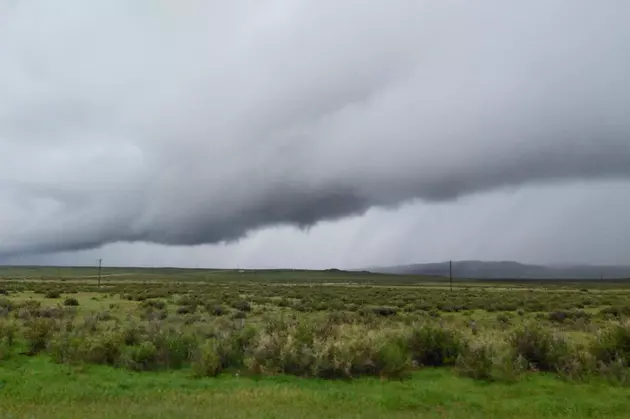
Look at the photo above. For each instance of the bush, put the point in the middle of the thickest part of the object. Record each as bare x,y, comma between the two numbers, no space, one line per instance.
153,304
561,316
435,346
71,302
206,360
353,354
186,310
141,357
187,300
8,330
65,347
477,361
217,310
578,365
543,350
341,317
616,372
173,347
242,305
131,334
37,334
615,311
6,304
557,316
326,350
392,360
105,348
53,294
613,345
379,311
239,315
509,368
154,315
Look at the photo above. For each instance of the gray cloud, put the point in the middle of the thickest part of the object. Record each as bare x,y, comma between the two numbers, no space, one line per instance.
197,122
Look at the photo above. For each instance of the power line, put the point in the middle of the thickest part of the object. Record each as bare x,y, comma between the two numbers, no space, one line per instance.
100,265
450,274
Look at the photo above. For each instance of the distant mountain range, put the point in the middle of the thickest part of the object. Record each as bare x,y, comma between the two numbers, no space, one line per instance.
509,270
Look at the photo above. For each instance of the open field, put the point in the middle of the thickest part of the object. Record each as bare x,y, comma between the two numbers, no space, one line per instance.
200,343
38,388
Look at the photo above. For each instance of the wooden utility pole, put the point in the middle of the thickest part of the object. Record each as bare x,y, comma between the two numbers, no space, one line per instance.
450,274
100,265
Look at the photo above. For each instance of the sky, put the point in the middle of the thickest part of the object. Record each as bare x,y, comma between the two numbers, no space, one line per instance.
293,133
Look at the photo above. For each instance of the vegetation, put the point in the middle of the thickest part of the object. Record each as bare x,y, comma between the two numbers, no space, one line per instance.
206,327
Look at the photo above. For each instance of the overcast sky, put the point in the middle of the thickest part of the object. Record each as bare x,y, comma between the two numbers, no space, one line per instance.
299,133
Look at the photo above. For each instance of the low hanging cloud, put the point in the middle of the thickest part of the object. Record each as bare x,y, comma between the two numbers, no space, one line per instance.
196,122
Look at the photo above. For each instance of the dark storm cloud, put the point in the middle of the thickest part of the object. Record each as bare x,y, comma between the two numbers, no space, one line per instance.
196,122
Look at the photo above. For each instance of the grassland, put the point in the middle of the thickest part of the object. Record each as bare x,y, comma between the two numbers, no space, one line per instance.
216,343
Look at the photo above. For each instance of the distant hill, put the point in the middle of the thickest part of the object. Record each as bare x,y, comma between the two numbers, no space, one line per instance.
509,270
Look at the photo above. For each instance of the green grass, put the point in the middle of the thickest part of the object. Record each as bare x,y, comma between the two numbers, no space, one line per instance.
37,388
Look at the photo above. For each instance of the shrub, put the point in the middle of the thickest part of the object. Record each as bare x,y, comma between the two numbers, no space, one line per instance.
385,311
217,310
543,350
434,346
615,311
578,365
206,360
557,316
187,300
154,315
392,360
153,304
186,310
341,317
477,361
65,347
71,302
105,348
561,316
284,302
140,357
613,345
6,305
50,313
326,350
351,351
173,347
349,356
37,334
8,330
131,334
616,372
53,294
509,368
239,315
242,305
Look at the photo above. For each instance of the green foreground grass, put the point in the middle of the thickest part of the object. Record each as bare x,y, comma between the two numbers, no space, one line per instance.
37,388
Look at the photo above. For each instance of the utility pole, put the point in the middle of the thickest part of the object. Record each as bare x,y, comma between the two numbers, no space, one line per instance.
100,265
450,274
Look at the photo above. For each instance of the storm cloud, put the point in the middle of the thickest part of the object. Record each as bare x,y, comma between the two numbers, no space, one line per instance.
197,122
